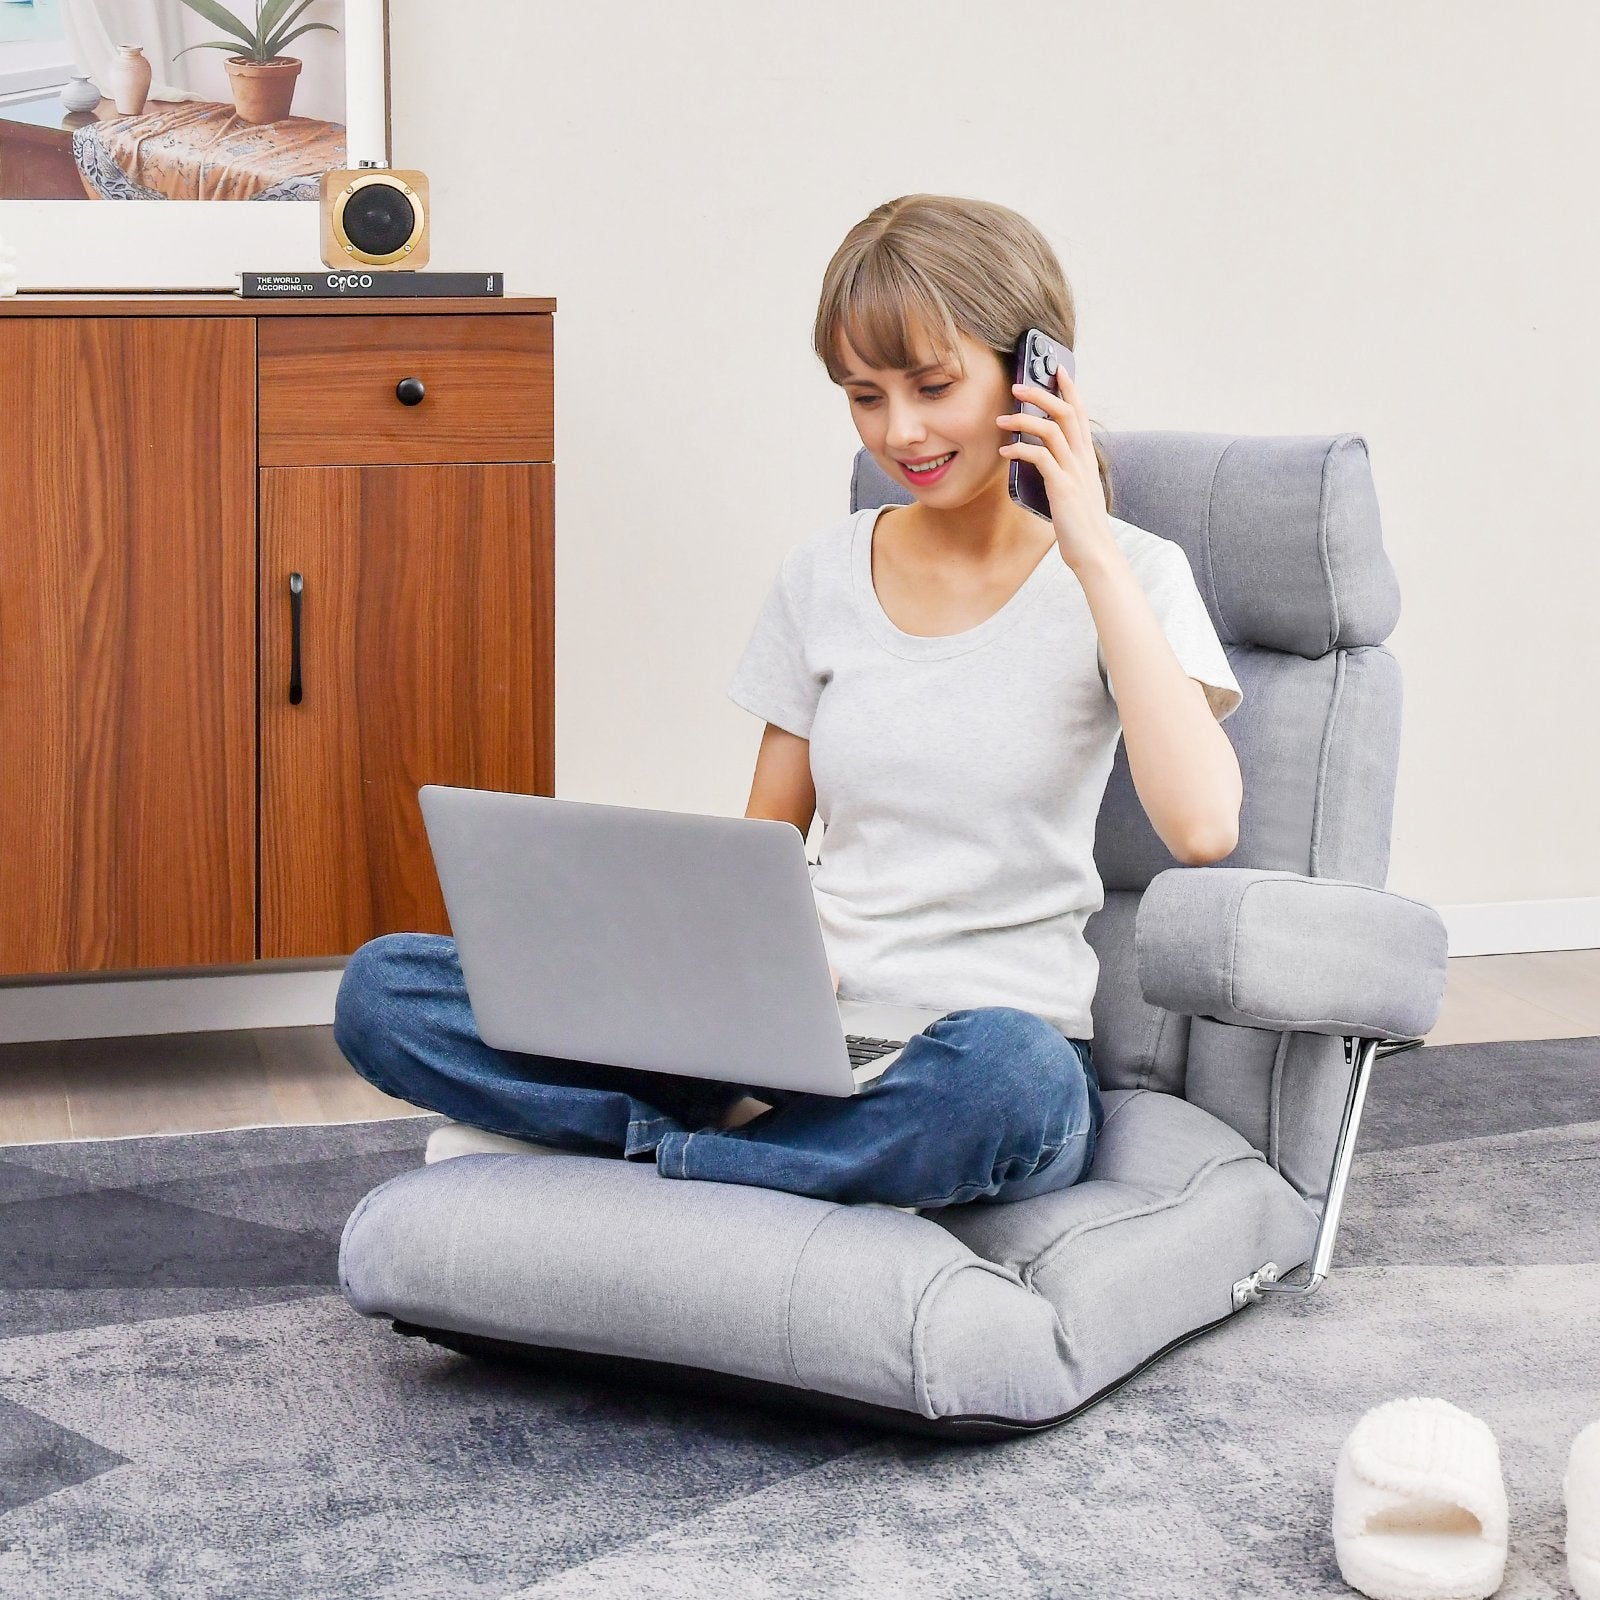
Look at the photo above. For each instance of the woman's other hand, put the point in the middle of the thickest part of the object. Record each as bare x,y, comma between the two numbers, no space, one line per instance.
835,976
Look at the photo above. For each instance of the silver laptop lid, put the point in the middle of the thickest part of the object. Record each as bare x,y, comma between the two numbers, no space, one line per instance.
664,940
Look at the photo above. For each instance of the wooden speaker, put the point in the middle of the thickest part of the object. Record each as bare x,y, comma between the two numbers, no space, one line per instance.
374,217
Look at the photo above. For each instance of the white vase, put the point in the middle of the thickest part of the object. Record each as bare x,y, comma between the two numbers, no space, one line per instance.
128,81
80,94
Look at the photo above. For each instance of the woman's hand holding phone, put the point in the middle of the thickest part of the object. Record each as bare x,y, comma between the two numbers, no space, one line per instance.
1064,455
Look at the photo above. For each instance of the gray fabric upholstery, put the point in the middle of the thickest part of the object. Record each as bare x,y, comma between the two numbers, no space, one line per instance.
1222,995
1022,1311
1282,951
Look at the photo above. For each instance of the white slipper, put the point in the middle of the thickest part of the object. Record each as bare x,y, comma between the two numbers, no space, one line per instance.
1419,1505
1582,1489
461,1139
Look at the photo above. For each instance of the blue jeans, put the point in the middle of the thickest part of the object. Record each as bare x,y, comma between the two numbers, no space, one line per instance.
993,1104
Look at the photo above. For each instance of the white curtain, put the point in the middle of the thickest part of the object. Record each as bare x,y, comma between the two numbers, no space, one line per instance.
95,28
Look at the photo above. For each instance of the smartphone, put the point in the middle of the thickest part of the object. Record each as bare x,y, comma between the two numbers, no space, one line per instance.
1038,359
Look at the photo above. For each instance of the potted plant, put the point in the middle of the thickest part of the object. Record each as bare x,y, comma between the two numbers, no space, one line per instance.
262,79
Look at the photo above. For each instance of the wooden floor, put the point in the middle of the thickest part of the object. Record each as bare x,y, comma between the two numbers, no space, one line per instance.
190,1082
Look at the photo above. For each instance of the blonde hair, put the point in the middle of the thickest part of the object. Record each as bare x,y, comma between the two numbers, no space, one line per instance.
952,263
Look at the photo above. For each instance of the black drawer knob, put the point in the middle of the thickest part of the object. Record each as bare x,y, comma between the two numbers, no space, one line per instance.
409,391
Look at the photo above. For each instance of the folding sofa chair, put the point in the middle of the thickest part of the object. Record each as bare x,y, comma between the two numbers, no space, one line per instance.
1238,1013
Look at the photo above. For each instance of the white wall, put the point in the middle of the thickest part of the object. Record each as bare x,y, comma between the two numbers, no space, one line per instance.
1371,217
1276,220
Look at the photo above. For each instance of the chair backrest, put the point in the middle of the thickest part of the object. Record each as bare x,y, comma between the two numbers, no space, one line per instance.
1284,539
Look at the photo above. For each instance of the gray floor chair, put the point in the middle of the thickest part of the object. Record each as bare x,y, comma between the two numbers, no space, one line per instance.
1239,1010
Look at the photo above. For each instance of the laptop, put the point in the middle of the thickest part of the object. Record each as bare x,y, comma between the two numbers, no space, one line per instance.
663,940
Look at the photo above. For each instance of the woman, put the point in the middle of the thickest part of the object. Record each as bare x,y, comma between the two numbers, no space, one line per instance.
943,682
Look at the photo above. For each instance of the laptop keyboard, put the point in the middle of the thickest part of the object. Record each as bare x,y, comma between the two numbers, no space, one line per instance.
863,1048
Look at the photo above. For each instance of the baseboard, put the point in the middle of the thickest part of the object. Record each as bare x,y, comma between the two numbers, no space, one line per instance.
283,995
301,994
1508,927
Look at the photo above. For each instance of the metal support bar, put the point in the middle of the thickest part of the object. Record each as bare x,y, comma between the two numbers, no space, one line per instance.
1359,1054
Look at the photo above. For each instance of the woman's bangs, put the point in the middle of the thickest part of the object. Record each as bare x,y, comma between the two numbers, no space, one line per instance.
878,310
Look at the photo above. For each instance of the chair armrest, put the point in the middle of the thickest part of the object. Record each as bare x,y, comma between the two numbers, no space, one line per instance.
1289,953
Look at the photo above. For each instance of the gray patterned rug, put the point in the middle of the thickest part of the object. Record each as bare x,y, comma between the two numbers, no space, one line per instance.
188,1407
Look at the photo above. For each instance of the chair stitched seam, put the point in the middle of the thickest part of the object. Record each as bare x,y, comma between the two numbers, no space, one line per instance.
1205,537
1324,762
1307,1024
1149,1067
1279,1055
788,1298
1117,1110
1163,1016
919,1376
1324,499
350,1226
1231,953
1166,1203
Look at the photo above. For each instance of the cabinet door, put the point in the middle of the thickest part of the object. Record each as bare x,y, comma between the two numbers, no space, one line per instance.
127,643
426,656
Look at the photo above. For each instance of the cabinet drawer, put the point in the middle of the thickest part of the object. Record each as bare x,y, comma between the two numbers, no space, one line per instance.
328,390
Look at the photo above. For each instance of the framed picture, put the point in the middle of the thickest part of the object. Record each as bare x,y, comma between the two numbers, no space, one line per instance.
112,109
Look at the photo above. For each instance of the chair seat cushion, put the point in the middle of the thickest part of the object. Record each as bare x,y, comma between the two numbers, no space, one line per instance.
1022,1312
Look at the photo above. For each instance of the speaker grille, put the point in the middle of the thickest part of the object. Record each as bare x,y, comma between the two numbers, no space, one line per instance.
378,218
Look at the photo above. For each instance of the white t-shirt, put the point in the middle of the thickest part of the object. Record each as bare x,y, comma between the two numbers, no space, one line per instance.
959,778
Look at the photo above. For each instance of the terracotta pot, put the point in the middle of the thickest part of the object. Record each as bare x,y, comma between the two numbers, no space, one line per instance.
128,81
262,90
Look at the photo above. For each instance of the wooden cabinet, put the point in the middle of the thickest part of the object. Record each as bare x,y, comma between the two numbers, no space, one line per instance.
487,390
127,643
168,464
420,661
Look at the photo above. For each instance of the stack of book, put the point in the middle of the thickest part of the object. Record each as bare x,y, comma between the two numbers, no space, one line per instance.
346,284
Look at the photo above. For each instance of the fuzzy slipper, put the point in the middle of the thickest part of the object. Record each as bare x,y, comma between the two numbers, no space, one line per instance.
1419,1505
1582,1489
461,1139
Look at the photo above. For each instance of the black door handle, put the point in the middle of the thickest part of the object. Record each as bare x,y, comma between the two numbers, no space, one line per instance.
409,391
296,585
